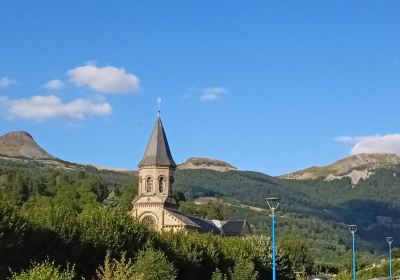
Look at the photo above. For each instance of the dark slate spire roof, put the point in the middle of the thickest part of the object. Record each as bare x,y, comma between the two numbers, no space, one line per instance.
157,151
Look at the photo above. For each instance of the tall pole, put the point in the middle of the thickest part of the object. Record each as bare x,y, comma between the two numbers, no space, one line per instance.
390,240
390,261
273,203
353,229
354,258
273,248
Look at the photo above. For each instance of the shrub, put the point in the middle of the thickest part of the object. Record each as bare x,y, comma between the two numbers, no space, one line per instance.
218,275
244,269
116,270
152,264
45,271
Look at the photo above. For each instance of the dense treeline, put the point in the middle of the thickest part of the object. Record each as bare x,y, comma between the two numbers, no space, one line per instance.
75,223
316,210
72,224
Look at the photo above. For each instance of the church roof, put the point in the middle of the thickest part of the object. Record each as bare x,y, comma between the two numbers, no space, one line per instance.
157,152
188,221
235,227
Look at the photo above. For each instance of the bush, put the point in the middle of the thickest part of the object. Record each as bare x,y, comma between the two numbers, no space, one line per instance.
153,265
45,271
116,270
218,275
244,270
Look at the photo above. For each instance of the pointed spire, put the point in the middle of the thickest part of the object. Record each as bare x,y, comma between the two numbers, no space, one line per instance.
157,152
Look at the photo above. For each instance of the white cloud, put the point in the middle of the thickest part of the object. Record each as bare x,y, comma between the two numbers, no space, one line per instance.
39,108
107,79
54,84
212,93
5,82
389,143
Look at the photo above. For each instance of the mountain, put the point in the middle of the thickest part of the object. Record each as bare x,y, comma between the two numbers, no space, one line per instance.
21,144
356,167
206,163
317,203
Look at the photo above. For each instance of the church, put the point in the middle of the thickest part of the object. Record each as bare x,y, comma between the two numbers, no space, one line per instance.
156,206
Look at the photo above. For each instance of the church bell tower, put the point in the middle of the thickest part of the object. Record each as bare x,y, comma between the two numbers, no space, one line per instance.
155,204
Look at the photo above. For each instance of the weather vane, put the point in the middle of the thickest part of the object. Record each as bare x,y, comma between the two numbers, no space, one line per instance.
158,105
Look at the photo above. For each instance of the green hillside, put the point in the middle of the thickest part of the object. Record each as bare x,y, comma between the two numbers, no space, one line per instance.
313,211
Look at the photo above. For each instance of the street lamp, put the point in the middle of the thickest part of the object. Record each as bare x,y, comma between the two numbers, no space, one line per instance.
389,240
273,203
353,229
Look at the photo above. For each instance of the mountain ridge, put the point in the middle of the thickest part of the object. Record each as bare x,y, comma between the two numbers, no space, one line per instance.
21,144
355,167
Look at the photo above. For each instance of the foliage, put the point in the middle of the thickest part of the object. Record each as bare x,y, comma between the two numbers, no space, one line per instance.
379,270
153,265
244,269
299,255
218,275
116,269
344,275
396,253
45,271
12,231
373,205
210,210
77,216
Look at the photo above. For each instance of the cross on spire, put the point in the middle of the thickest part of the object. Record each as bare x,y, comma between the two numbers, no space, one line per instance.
158,106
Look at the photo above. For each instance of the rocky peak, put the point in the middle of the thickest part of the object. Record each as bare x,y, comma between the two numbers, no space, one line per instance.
356,167
21,144
206,163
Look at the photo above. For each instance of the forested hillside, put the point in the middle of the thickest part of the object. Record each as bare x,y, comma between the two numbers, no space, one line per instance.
315,210
75,215
73,223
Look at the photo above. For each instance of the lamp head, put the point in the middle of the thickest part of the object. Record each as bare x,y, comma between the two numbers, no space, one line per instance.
389,239
273,203
352,228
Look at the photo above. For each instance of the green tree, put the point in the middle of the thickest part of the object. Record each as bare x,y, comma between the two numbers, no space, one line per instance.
116,269
244,269
152,264
112,200
299,255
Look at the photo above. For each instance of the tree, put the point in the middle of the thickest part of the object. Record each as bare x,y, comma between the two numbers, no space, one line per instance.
244,270
396,253
116,270
152,264
299,255
45,271
112,200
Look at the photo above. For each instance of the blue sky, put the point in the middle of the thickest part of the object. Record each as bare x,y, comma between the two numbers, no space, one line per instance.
271,86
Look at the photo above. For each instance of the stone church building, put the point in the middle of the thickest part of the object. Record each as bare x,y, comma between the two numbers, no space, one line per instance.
155,204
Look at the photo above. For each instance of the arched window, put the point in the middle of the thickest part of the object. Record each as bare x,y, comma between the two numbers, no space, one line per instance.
149,221
149,184
161,184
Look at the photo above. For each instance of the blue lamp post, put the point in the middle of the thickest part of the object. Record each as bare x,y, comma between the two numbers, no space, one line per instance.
390,240
353,229
273,203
